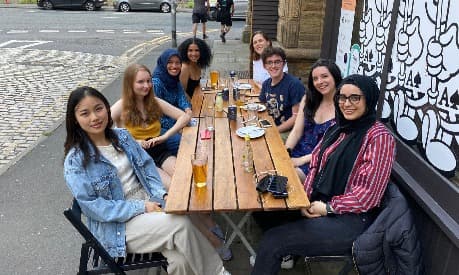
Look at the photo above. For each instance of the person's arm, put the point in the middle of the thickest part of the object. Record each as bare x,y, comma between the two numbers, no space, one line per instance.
298,127
369,178
232,9
183,102
92,202
116,111
288,124
182,118
184,75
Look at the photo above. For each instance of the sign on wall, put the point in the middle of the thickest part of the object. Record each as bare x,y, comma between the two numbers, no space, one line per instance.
421,98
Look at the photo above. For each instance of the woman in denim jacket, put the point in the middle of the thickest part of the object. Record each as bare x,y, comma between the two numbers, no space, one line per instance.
119,190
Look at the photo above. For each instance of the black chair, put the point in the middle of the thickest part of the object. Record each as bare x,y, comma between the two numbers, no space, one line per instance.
94,259
347,259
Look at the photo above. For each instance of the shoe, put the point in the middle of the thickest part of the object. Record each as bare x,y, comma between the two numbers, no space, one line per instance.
222,36
224,253
287,262
224,272
204,36
218,232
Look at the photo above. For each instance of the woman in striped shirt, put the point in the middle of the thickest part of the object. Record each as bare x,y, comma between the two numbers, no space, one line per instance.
348,175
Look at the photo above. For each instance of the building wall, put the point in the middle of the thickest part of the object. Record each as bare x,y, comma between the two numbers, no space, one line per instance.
299,32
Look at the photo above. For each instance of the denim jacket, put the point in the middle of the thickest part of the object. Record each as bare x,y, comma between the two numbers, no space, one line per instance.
99,192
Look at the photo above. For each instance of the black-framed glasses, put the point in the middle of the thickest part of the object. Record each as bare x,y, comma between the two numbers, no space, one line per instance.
354,98
275,62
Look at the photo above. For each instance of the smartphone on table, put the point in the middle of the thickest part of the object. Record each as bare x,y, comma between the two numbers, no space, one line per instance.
264,123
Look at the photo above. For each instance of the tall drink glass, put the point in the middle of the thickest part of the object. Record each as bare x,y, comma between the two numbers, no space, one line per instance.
214,76
199,164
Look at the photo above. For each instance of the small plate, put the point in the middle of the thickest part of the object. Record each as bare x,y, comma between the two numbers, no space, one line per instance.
245,86
252,131
261,107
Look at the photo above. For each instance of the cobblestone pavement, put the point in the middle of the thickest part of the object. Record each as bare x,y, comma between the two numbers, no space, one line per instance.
35,84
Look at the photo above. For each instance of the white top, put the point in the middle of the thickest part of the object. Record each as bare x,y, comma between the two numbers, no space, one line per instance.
260,74
132,188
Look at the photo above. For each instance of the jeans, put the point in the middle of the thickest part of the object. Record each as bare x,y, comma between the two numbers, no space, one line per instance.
330,235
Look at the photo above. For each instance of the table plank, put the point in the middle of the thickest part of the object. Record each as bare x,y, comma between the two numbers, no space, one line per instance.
284,166
179,191
201,198
224,187
247,195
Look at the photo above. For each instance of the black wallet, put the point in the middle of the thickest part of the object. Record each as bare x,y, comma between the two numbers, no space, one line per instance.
275,184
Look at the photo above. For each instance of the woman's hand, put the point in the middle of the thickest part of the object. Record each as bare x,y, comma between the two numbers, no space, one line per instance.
317,209
297,162
151,206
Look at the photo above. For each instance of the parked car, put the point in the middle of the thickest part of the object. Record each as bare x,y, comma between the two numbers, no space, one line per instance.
128,5
88,5
240,9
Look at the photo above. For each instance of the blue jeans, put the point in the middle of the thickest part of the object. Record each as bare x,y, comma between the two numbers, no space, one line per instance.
330,235
173,142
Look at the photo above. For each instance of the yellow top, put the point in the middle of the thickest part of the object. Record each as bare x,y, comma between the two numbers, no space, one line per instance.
144,133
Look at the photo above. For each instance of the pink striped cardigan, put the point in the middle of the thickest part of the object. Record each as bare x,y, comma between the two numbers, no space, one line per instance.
369,176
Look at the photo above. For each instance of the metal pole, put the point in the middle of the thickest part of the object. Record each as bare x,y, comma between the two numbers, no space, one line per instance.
174,24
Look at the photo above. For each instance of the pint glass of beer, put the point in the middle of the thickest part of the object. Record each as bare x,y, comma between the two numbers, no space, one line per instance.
199,164
214,75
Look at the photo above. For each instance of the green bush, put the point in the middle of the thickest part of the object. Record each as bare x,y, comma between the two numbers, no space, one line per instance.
26,1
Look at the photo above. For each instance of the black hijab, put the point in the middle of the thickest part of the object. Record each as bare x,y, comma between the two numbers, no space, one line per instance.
331,180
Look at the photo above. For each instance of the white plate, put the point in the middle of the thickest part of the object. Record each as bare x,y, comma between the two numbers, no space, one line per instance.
245,86
252,131
261,107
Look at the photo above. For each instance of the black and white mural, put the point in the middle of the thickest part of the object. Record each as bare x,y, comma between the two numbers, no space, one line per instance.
421,99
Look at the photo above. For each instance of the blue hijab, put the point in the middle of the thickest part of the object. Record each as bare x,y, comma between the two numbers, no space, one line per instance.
169,81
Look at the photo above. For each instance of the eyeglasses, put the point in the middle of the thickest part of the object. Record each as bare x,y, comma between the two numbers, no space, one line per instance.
354,99
275,62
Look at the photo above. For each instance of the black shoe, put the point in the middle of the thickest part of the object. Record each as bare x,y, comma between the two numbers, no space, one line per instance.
222,36
204,36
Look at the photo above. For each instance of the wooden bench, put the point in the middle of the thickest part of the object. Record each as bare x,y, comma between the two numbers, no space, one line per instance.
94,259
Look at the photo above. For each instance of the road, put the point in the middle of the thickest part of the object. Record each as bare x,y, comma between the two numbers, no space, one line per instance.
35,79
45,56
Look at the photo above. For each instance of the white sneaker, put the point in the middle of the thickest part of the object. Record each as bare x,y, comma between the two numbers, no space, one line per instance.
224,272
287,262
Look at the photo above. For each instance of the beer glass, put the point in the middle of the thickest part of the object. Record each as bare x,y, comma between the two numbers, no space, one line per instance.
214,76
199,164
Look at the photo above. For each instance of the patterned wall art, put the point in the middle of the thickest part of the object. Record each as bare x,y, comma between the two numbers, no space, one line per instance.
421,98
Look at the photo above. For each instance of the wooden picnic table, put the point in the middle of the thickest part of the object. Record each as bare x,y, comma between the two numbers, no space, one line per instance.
229,188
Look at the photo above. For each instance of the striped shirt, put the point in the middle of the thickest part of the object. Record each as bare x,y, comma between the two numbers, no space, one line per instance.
369,176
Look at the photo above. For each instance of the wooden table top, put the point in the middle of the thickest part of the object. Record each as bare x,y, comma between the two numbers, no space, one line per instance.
229,187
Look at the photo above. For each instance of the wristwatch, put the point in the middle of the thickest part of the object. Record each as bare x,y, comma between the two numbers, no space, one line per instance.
329,209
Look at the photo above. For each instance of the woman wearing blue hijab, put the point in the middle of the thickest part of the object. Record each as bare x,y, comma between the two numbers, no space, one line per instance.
167,86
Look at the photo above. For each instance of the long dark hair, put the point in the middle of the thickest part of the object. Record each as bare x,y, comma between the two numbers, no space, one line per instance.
77,137
205,53
314,97
253,53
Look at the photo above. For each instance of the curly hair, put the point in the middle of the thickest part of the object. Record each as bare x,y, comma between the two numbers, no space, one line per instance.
76,136
204,51
314,97
253,53
130,114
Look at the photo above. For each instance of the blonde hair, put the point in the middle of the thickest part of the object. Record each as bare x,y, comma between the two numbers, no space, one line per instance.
130,114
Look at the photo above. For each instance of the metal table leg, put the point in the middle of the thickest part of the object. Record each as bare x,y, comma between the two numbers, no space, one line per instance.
237,231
